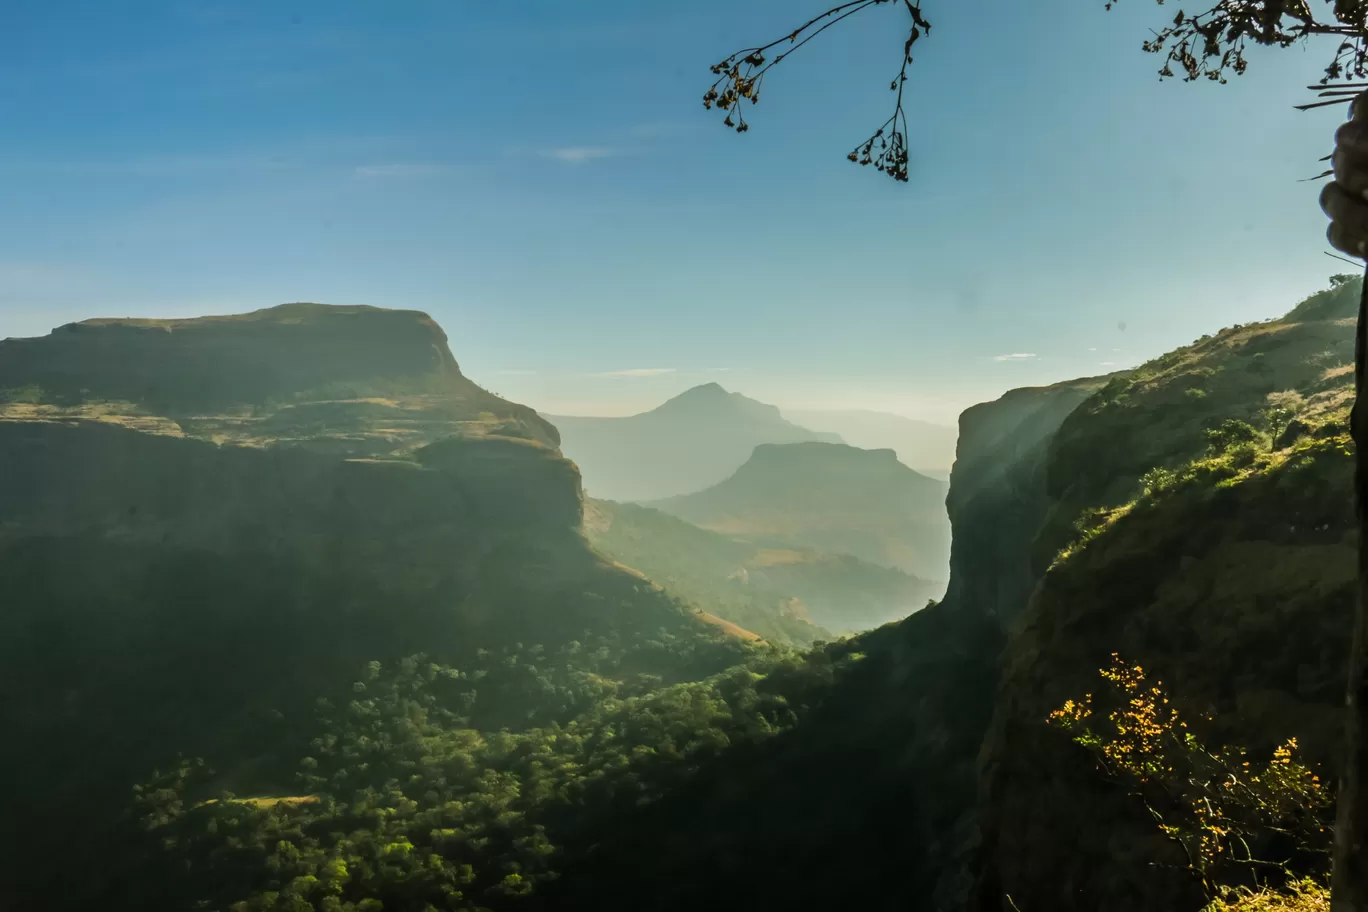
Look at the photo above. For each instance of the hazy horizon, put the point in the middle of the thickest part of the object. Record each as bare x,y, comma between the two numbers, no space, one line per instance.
206,158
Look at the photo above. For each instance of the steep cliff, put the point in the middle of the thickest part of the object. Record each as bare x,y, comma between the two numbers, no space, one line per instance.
207,524
1198,522
998,498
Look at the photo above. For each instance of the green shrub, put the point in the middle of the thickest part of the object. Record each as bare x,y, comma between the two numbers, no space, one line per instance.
1157,480
1229,433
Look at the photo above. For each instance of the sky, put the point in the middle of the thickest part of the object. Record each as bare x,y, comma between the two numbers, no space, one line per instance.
542,178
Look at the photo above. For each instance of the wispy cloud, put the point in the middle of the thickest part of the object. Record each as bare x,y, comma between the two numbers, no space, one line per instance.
636,372
718,370
1019,356
400,169
579,155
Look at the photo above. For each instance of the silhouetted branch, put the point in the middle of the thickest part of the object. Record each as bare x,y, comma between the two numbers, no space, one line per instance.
1210,44
740,75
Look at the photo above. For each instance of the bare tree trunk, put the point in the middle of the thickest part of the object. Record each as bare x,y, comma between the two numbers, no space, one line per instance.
1349,887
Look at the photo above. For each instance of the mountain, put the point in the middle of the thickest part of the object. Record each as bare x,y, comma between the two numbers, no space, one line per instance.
928,448
1193,516
692,441
833,498
784,594
206,525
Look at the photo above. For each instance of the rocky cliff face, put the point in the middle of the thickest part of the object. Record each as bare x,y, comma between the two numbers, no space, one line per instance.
205,524
1100,516
342,439
998,498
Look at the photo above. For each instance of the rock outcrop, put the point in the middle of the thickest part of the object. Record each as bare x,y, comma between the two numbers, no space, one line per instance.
999,498
296,366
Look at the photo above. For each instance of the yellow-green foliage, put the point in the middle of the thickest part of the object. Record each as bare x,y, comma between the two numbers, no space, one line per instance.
1299,896
1235,817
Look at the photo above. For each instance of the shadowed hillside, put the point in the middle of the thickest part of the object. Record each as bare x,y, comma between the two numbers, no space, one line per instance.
206,525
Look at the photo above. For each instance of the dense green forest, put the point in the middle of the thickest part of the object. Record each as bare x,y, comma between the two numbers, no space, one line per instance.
655,796
404,801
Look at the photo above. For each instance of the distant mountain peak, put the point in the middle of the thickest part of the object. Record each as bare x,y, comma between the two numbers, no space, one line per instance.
709,395
704,390
686,444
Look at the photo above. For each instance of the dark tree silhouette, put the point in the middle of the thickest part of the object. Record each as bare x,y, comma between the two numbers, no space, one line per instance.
1210,44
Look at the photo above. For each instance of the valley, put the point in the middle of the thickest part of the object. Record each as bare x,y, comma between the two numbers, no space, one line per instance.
363,639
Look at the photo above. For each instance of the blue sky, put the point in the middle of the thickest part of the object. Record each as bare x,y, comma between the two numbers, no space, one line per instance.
541,178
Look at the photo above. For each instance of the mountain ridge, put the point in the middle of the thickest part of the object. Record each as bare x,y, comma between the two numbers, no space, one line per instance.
690,441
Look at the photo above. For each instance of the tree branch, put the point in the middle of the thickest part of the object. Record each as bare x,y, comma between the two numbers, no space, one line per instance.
1207,45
